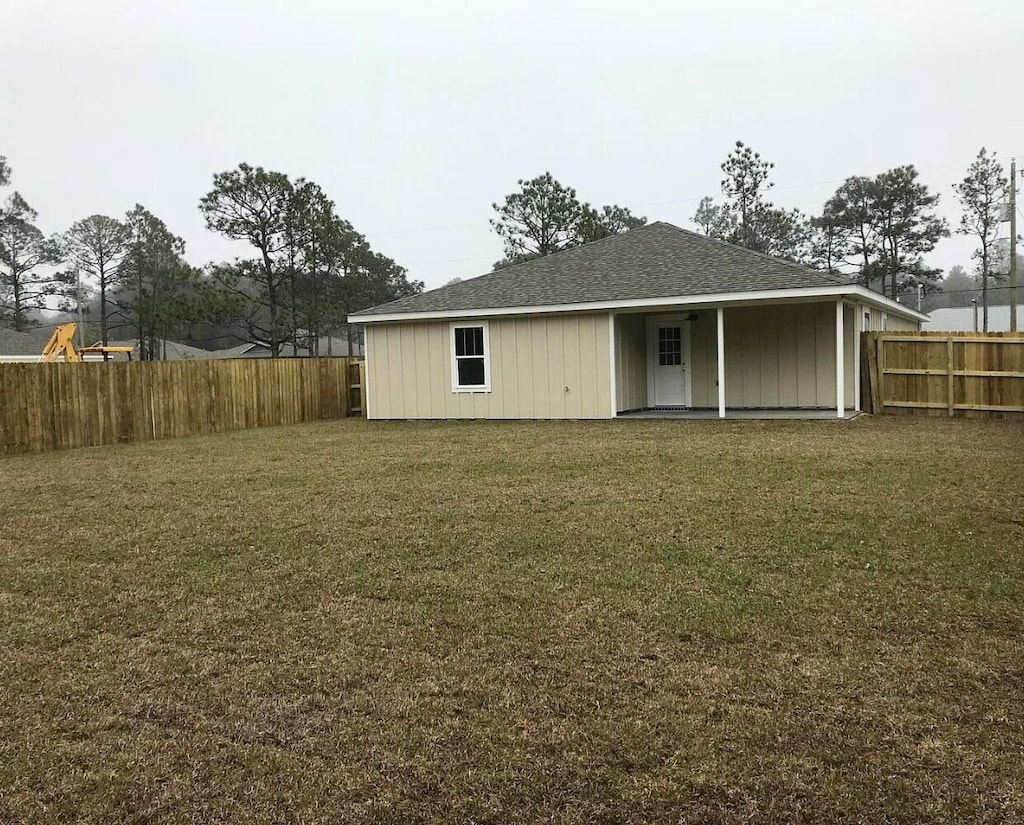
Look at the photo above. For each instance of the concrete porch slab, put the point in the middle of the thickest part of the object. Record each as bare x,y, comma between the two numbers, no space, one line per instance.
756,415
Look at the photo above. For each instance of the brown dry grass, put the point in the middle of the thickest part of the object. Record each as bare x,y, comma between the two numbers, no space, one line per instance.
621,622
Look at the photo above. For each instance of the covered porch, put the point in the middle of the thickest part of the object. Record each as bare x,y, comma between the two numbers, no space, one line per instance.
796,359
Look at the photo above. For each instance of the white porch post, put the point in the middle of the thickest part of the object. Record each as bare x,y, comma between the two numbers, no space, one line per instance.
858,324
364,379
611,364
721,362
840,361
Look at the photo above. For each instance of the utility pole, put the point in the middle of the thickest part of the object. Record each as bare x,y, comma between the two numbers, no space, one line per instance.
1013,244
78,301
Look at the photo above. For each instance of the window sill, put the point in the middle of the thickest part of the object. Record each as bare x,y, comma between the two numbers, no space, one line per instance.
471,389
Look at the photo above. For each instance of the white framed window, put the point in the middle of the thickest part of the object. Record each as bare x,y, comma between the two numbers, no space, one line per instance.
471,357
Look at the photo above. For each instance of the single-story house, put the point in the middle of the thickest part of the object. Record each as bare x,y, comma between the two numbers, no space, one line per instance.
658,318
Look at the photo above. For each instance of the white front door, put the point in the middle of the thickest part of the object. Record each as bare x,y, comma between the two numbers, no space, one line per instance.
667,348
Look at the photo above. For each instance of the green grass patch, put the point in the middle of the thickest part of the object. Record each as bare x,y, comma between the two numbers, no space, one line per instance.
482,622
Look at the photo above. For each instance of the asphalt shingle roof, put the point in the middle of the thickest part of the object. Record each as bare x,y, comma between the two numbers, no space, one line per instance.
658,260
29,342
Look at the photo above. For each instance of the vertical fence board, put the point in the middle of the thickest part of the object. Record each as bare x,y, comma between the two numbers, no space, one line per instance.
950,396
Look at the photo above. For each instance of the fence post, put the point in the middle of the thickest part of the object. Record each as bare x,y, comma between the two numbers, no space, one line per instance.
863,373
874,373
949,375
880,343
362,388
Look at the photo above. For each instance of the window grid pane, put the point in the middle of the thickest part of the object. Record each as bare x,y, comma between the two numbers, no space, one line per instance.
469,341
670,346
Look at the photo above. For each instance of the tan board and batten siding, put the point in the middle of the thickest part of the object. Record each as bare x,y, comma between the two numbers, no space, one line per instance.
882,321
630,362
557,366
778,356
541,367
897,324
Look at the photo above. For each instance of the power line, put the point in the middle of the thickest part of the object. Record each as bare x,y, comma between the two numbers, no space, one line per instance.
431,229
634,204
451,260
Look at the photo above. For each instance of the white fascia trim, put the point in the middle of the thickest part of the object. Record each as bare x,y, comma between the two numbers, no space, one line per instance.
851,290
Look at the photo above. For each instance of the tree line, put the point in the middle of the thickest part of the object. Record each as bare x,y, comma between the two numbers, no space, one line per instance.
308,269
873,230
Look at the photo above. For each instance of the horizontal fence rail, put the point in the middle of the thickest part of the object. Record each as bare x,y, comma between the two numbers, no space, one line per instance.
968,374
59,406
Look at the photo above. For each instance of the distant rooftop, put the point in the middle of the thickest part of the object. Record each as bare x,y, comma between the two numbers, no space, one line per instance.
27,342
961,319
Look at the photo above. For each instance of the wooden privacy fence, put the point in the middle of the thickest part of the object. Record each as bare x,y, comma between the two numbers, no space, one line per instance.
55,406
977,375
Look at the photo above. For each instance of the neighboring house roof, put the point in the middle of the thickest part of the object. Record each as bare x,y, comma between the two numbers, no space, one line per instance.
238,351
260,349
174,350
28,345
961,319
656,261
338,345
26,342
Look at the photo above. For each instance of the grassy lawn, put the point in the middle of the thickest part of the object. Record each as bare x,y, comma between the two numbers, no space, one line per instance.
619,622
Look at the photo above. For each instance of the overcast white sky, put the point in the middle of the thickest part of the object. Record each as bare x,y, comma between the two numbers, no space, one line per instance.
415,116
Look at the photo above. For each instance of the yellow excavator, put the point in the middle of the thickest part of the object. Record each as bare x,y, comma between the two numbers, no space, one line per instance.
61,344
